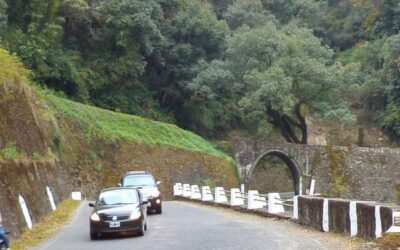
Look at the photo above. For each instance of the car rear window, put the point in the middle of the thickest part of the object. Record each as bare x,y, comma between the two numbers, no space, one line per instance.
118,197
138,180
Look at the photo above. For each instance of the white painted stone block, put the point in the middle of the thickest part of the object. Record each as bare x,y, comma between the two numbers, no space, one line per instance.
275,205
296,207
77,196
25,211
206,194
236,197
220,196
325,216
254,201
187,190
178,189
353,218
395,228
51,198
195,192
378,222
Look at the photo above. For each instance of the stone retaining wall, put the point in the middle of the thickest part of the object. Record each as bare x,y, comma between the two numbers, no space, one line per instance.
311,214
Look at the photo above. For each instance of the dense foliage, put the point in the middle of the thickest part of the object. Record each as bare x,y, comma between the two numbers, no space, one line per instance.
212,66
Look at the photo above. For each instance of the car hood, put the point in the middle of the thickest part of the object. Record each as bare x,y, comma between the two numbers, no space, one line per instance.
117,210
148,191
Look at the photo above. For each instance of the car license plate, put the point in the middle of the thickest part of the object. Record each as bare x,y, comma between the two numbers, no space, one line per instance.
115,224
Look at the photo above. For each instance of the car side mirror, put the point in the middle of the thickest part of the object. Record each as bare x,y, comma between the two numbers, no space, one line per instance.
119,184
144,203
91,204
158,183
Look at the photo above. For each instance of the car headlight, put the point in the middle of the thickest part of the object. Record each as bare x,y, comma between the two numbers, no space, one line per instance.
95,217
135,215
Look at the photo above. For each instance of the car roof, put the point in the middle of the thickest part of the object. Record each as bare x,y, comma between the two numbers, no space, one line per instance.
118,188
143,172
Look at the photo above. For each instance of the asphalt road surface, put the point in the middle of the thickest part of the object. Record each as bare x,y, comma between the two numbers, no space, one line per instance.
192,226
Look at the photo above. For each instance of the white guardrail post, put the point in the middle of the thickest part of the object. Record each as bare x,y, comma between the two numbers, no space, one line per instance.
76,196
353,218
275,205
25,211
296,207
178,189
236,197
395,228
187,190
220,196
51,198
206,194
254,201
325,216
195,192
378,222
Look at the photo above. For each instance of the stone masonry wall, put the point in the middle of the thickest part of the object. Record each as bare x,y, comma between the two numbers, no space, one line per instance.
358,173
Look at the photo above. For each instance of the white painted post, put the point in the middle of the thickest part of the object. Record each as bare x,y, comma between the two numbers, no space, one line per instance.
325,216
178,189
312,187
77,196
353,218
236,197
195,192
275,205
220,196
378,222
25,211
296,207
187,190
51,198
206,194
254,201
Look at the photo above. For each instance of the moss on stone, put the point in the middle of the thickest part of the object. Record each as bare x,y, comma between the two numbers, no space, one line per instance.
317,159
337,166
397,187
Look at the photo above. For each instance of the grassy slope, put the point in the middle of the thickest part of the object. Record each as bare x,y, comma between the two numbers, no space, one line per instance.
107,124
111,125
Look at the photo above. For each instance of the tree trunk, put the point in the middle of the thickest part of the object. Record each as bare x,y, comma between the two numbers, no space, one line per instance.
288,125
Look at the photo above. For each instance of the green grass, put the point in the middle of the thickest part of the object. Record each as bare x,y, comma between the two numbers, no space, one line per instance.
110,125
9,152
11,69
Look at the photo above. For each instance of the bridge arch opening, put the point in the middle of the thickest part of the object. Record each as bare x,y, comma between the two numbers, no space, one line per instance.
275,166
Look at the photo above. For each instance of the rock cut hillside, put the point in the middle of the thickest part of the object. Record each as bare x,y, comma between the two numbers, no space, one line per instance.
49,141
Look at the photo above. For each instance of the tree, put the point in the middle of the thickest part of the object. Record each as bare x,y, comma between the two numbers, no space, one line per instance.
391,74
195,36
247,12
280,75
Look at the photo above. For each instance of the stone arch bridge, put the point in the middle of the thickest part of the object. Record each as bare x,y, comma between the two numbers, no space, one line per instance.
347,172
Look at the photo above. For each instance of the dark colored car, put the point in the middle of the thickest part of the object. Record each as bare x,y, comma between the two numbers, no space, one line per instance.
147,186
118,210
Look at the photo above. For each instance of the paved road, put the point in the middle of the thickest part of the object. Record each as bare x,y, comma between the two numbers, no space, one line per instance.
191,226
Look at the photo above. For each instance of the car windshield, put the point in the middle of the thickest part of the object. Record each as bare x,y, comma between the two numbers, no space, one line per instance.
139,180
118,197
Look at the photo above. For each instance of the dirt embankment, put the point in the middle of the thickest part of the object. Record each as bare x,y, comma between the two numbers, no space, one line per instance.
40,148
